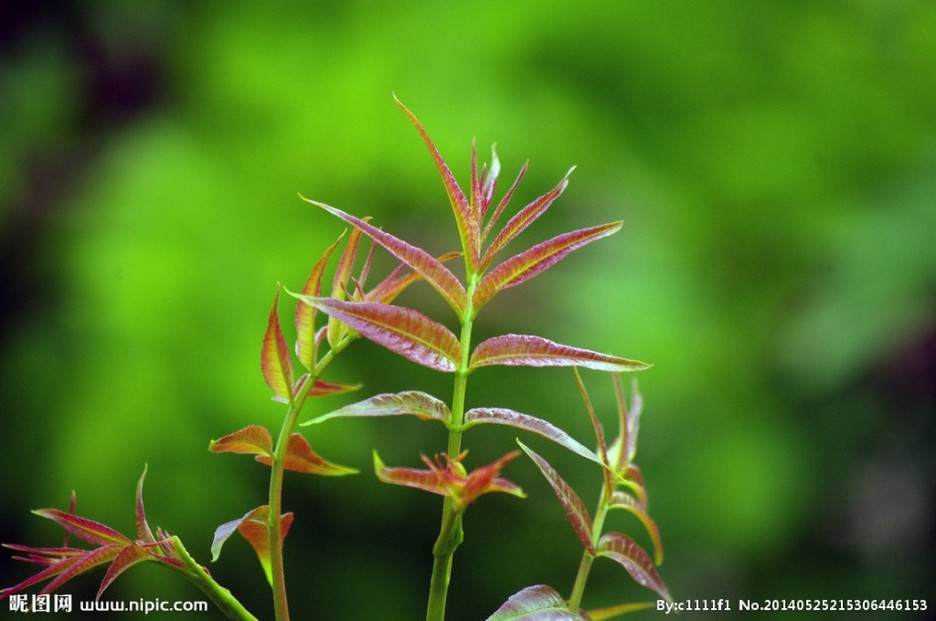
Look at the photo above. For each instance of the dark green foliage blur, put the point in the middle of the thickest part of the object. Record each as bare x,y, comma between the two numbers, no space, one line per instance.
773,163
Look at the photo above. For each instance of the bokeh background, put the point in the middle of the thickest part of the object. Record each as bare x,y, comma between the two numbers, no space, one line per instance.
773,163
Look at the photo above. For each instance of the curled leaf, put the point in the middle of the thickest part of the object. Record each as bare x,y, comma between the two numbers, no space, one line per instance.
254,526
251,440
622,500
274,357
535,351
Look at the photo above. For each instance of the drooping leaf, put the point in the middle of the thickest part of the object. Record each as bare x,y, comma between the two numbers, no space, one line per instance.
254,526
622,500
305,313
536,260
628,554
535,603
83,528
466,221
274,357
535,351
524,218
251,440
632,478
570,501
301,458
431,269
131,555
526,422
603,614
142,526
401,330
410,403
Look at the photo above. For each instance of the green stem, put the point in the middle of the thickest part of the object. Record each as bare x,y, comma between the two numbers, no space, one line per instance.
451,533
220,596
581,578
278,573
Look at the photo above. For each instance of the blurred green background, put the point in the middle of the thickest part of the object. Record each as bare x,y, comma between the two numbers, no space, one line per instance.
773,163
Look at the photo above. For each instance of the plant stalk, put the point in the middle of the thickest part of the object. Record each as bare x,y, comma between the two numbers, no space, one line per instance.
220,596
278,573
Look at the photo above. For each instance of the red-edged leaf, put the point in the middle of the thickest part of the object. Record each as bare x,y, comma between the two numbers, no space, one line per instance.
321,388
55,567
536,260
488,183
255,528
430,268
535,603
632,417
410,403
131,555
485,479
570,501
465,219
535,351
83,563
431,481
251,440
603,614
632,557
526,422
301,458
621,500
143,530
632,478
524,218
83,528
599,434
503,202
305,313
336,330
401,330
274,357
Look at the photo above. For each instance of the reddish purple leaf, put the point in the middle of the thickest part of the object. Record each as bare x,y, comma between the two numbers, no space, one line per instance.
622,500
633,479
431,269
410,403
401,330
535,351
570,501
305,313
465,219
608,475
632,557
336,330
274,357
131,555
321,388
301,458
80,564
503,202
524,218
83,528
143,530
251,440
526,422
535,603
536,260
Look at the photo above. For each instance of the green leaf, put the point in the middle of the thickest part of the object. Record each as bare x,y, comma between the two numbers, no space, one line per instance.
536,260
603,614
526,422
626,502
401,330
628,554
305,313
524,218
251,440
535,351
301,458
466,219
410,403
274,357
535,603
570,501
431,269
